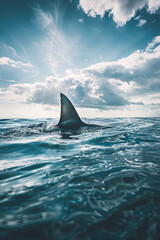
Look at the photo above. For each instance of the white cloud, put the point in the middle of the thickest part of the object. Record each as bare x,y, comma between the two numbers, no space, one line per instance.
131,80
42,17
121,10
10,50
141,22
153,5
81,20
11,81
55,46
155,41
13,63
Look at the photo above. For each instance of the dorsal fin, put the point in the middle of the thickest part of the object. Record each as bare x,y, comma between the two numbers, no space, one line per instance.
69,116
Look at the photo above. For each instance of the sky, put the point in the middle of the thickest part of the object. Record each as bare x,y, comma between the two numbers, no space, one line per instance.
103,54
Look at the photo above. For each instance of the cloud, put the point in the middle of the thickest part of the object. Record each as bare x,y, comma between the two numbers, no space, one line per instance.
13,63
11,81
141,22
81,20
156,41
10,50
121,10
131,80
42,17
81,87
153,5
55,46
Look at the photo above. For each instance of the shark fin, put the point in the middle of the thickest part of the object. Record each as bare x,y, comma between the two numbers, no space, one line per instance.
69,117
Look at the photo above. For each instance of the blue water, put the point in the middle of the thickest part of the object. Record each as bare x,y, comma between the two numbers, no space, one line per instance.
100,183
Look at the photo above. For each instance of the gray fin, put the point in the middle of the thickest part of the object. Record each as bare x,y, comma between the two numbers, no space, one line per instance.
69,116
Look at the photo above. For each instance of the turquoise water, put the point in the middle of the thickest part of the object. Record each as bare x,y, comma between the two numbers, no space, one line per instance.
93,183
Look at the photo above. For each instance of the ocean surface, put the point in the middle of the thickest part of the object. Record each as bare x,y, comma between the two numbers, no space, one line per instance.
91,183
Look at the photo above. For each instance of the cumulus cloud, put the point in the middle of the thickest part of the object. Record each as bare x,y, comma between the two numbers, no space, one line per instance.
82,87
131,80
121,10
13,63
153,5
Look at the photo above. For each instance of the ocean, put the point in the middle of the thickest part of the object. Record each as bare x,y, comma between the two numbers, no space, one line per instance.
91,183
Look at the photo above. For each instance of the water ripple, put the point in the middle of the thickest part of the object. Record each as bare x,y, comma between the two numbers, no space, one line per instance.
85,184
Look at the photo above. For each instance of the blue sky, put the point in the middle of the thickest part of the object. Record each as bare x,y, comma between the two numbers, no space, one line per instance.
103,54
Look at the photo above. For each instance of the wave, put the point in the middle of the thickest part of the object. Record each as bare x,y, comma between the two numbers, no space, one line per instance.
86,184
